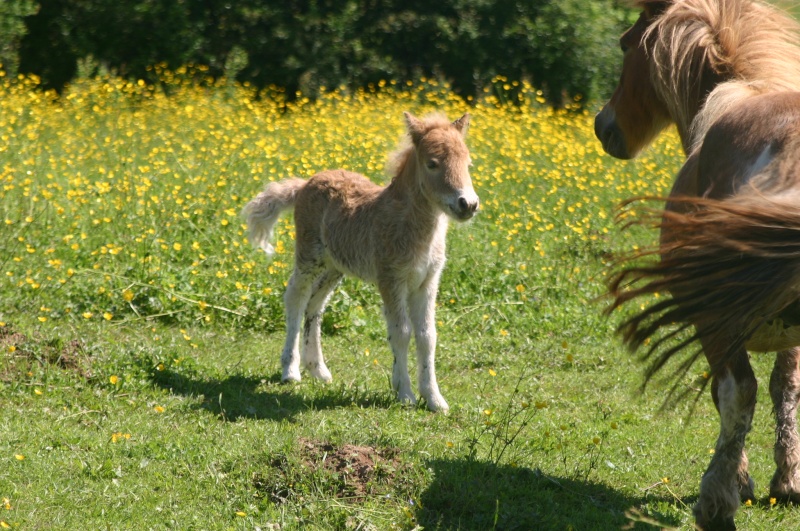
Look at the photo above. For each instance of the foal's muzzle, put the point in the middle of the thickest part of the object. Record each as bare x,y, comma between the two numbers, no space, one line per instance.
466,207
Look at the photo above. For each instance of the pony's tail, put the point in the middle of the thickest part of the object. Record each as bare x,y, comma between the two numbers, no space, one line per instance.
262,212
729,266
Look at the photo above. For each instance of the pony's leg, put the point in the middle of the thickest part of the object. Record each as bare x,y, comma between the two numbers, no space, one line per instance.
312,348
784,388
298,291
726,481
423,316
398,326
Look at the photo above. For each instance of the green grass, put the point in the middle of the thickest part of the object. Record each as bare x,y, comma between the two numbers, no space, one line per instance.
139,375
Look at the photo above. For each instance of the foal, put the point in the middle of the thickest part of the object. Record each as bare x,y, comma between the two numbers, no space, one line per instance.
392,236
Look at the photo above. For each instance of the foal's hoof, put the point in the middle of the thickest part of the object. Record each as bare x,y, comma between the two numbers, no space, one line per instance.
407,399
320,373
290,376
438,405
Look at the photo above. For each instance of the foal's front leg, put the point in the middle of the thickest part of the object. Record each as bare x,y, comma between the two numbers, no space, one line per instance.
726,481
399,334
423,316
784,388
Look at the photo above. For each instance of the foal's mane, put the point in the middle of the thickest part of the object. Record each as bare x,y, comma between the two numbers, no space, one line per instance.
398,158
752,46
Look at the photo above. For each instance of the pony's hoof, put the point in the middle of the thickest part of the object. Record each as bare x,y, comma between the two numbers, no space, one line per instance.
320,373
290,376
784,496
714,524
407,399
438,405
747,490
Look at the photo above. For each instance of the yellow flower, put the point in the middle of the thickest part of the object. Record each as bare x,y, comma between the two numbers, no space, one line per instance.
4,524
241,514
113,379
159,409
127,295
19,457
177,246
748,503
772,501
108,316
87,315
492,372
37,391
596,441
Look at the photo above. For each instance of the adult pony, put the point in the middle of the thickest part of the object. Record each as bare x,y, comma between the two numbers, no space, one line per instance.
393,236
727,73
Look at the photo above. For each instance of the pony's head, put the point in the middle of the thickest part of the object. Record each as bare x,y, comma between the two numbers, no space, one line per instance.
442,162
686,60
635,114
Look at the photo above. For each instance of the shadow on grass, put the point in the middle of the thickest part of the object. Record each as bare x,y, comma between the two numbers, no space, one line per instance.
237,396
472,495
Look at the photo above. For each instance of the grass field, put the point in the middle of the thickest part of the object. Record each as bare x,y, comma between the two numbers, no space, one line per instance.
139,370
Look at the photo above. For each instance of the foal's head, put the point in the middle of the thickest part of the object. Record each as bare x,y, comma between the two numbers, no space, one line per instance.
635,114
442,162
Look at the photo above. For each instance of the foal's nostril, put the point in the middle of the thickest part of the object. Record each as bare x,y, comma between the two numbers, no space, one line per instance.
463,205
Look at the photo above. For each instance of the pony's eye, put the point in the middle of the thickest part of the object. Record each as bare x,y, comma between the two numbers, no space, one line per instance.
623,47
432,164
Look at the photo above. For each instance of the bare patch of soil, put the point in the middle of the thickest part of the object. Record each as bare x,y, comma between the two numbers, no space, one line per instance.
19,354
346,472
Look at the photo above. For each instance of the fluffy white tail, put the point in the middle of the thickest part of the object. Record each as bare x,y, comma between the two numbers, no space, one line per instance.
262,212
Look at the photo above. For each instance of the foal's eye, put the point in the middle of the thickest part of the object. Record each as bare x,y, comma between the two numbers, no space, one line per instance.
432,164
623,47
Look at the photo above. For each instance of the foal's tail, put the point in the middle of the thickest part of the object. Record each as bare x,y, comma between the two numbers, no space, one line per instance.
262,212
730,266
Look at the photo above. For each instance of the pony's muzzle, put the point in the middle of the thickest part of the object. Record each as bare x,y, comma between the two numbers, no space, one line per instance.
610,135
466,206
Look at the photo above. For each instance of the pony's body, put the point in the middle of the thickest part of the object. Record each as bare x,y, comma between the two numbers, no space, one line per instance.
727,73
393,237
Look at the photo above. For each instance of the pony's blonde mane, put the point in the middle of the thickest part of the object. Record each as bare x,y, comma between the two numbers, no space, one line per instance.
399,157
752,46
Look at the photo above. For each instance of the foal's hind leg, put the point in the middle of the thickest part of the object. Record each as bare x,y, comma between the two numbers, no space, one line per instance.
726,481
312,347
295,300
784,388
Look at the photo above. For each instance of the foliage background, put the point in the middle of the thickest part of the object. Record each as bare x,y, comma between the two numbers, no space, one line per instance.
566,48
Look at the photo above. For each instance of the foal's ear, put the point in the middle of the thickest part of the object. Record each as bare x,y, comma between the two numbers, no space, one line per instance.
415,127
462,124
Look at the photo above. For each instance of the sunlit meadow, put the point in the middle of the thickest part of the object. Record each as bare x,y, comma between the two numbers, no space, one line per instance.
139,331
